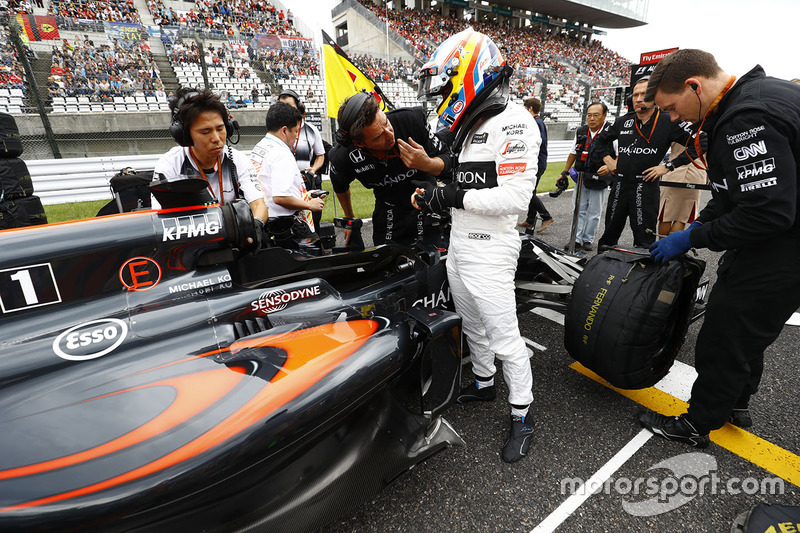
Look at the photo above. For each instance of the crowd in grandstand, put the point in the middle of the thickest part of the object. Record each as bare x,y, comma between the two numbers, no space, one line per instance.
181,53
12,75
109,10
249,16
381,70
18,6
103,71
284,62
526,48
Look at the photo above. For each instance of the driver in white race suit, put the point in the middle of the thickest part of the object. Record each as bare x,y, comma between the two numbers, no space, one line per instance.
499,144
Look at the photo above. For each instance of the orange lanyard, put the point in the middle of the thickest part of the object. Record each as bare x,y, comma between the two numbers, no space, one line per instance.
219,174
658,112
297,140
697,148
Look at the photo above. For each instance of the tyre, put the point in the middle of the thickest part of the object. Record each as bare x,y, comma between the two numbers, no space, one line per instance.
15,180
10,141
31,211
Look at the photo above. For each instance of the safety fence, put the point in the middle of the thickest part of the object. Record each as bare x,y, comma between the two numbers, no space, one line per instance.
58,181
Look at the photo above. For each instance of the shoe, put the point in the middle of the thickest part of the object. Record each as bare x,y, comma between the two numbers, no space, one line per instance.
588,246
677,428
578,246
605,247
471,393
545,224
525,224
519,440
741,418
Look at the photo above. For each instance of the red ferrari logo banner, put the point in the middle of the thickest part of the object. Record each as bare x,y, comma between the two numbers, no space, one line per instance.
38,28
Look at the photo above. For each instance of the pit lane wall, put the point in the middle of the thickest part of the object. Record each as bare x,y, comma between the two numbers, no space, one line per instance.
81,179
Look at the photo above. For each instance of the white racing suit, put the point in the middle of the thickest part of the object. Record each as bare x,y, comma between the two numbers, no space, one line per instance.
497,167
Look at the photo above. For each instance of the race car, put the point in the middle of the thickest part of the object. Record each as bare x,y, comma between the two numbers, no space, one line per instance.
159,372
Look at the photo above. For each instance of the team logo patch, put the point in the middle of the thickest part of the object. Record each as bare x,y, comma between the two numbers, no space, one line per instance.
761,184
479,236
356,156
514,148
90,340
458,107
190,226
751,170
140,274
480,138
505,169
277,300
744,153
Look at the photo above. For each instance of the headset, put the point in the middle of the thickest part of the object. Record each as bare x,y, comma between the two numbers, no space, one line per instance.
693,86
349,114
289,92
180,132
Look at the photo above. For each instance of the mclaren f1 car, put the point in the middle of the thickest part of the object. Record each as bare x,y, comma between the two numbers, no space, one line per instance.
158,372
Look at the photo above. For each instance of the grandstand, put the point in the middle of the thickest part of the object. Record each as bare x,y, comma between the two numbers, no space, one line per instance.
94,77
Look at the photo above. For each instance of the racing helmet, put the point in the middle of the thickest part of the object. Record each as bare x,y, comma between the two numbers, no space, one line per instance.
464,71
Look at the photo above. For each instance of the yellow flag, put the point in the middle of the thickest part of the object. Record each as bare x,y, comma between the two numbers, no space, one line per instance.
343,78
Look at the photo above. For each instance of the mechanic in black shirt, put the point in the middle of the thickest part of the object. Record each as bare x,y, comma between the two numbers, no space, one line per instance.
386,152
643,137
753,163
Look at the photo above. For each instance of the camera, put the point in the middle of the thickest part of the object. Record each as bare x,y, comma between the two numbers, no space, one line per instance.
562,184
309,178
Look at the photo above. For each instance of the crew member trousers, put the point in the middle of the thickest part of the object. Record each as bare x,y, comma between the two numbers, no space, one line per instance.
756,292
637,201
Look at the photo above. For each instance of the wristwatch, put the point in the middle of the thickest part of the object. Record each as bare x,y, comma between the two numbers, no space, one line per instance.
669,166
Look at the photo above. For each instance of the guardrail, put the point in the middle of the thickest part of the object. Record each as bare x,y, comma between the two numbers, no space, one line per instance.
61,181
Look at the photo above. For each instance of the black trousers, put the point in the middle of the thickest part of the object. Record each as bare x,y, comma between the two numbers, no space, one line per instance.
636,201
756,292
537,206
399,225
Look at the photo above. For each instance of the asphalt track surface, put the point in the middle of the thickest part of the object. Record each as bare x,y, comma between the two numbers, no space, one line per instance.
587,431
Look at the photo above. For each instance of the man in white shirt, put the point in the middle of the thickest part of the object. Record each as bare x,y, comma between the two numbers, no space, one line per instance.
288,201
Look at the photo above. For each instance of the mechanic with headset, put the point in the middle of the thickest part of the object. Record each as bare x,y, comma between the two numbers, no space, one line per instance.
200,126
290,203
498,146
386,152
309,150
644,135
753,164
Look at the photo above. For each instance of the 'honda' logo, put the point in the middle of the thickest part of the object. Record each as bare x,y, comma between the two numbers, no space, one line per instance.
356,156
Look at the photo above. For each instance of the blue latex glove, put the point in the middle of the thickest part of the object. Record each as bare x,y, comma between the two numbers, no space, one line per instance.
695,224
670,246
